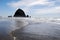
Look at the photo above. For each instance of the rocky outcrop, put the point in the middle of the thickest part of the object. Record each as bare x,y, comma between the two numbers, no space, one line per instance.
9,16
19,13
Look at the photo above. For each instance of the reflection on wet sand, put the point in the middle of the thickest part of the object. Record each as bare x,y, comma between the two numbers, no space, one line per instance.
40,31
28,30
26,34
8,26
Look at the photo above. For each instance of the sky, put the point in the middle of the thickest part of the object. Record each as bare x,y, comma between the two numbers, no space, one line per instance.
34,8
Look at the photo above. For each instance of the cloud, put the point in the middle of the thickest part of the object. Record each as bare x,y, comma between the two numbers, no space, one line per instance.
41,2
29,3
53,10
16,4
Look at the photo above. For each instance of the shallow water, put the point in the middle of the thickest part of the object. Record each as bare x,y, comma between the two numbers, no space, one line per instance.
28,29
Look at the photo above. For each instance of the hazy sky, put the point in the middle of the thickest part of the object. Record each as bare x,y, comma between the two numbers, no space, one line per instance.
38,8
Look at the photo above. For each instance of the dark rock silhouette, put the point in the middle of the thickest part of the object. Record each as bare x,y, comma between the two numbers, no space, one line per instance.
19,13
9,16
27,15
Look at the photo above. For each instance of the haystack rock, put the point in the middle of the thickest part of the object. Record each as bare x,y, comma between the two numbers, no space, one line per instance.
19,13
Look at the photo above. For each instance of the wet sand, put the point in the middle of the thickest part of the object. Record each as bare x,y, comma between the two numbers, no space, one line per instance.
38,31
28,30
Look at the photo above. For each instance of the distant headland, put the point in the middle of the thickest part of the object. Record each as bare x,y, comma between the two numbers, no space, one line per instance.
20,13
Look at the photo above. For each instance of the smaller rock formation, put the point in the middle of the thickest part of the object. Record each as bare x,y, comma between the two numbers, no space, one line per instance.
27,15
9,16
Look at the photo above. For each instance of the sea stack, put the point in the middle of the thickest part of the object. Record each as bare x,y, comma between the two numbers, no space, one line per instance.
19,13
